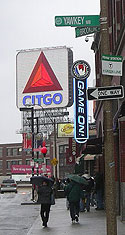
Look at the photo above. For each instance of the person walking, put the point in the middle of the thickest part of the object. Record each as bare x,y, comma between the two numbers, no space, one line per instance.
99,190
73,192
64,187
88,189
44,198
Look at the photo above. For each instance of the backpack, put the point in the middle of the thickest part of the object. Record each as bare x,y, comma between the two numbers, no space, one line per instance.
90,185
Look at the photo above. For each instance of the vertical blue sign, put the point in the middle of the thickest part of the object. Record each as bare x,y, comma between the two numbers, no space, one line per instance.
80,110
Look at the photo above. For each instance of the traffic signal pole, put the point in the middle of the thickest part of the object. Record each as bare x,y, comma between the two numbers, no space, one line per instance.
32,121
55,147
110,194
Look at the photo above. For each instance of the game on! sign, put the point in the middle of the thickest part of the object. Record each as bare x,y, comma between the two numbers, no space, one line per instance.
43,77
81,71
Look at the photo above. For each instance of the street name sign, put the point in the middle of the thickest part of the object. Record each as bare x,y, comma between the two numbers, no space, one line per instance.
112,65
83,31
77,21
38,160
104,93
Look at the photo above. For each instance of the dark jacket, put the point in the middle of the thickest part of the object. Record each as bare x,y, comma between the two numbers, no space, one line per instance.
73,191
44,194
99,183
90,185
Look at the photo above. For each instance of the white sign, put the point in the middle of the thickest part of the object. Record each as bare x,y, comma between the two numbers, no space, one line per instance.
104,93
112,65
43,77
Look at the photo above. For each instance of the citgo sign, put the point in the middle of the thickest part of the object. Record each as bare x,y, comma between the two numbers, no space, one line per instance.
43,77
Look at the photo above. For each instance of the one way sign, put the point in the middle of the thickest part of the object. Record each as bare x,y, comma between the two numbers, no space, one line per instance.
104,93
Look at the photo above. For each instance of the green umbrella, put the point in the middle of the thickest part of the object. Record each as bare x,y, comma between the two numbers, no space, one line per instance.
78,179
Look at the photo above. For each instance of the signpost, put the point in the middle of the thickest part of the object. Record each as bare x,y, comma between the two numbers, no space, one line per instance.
105,93
112,65
77,21
83,31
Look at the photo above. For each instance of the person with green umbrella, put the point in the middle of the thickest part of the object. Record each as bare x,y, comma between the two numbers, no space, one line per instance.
74,192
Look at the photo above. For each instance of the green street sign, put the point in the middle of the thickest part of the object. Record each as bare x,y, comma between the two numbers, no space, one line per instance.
112,65
38,160
77,21
82,31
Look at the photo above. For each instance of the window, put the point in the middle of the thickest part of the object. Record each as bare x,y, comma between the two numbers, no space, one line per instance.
28,162
28,152
61,149
14,152
8,164
65,148
1,165
9,152
14,162
1,152
20,162
61,162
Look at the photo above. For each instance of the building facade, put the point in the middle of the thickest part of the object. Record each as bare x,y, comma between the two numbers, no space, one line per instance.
116,30
13,154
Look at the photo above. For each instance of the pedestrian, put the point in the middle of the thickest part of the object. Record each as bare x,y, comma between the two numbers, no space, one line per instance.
67,201
88,190
44,198
99,190
73,192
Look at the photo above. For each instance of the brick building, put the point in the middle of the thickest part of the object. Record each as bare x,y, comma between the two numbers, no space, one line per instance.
12,154
116,26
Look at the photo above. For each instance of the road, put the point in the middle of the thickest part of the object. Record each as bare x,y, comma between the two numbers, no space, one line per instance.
17,219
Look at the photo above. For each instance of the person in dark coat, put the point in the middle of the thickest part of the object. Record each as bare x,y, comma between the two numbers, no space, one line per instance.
44,197
88,189
73,192
99,190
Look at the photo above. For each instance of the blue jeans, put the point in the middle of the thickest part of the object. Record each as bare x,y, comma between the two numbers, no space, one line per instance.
82,205
88,195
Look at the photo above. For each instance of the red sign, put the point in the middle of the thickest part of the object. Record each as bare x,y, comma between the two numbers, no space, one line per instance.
42,77
27,141
26,169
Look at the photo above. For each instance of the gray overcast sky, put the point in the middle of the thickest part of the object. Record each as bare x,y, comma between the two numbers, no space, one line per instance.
27,24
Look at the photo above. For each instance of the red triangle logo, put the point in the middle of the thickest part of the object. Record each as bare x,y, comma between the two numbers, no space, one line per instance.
42,77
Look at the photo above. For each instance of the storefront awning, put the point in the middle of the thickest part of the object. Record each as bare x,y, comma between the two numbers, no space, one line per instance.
93,146
89,157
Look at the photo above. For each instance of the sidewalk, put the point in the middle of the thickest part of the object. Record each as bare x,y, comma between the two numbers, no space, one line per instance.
91,223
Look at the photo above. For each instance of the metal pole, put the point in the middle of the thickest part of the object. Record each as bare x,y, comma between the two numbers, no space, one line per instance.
37,147
110,193
55,148
32,120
